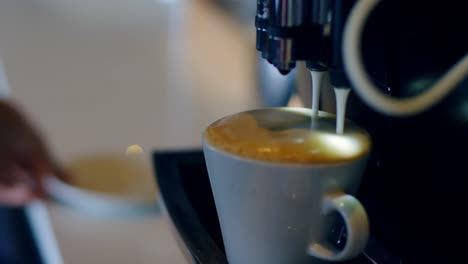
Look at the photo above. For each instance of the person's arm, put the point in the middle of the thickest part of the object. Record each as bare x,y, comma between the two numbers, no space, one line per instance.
24,159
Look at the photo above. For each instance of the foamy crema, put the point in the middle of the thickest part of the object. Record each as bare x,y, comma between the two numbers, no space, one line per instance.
288,135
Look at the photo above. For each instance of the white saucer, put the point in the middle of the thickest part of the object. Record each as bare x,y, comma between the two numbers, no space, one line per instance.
98,203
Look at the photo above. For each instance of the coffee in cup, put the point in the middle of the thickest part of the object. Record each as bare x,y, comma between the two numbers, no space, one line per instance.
285,135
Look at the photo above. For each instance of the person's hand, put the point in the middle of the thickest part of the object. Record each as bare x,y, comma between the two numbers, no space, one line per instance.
24,159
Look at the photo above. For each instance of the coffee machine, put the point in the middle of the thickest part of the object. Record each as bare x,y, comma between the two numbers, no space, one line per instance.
395,51
404,49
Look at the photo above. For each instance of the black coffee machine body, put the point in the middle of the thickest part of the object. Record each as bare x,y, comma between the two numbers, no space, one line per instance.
414,187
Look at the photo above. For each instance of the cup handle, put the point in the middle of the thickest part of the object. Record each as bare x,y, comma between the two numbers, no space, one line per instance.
356,222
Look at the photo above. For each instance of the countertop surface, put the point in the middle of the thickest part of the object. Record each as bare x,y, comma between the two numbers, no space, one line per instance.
100,75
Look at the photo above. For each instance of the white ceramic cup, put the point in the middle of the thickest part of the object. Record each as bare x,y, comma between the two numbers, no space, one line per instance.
274,213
